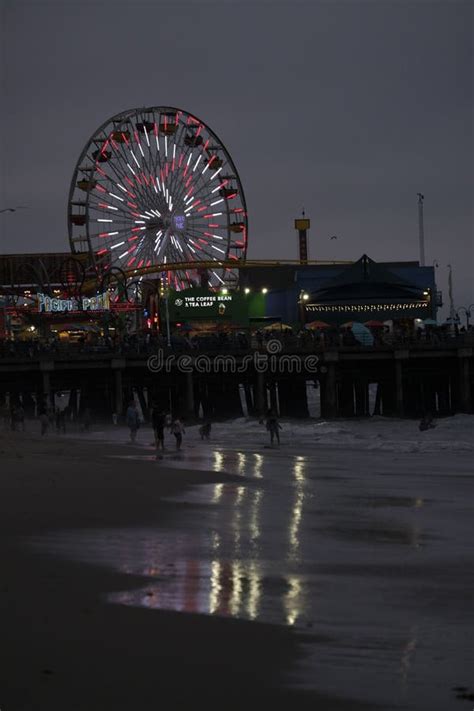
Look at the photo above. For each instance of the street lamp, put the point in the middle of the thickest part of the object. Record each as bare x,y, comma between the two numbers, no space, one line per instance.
421,230
167,312
303,297
164,294
452,310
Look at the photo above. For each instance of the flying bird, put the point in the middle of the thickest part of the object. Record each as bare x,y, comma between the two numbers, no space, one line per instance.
14,209
334,237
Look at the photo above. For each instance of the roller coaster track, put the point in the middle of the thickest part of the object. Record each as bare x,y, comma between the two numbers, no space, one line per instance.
158,269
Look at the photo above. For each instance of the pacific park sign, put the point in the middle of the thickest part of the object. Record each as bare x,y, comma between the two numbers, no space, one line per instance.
49,304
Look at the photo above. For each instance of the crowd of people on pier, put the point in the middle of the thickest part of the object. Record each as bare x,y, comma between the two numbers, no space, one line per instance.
235,341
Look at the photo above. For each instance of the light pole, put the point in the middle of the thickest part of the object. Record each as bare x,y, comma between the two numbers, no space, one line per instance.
421,229
303,298
164,293
168,332
452,310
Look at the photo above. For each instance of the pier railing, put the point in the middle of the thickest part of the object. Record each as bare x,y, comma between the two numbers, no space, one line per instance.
12,352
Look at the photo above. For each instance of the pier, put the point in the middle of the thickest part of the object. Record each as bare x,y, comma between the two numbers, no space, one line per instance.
410,378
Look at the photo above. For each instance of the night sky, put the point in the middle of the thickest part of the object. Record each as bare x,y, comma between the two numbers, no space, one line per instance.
346,108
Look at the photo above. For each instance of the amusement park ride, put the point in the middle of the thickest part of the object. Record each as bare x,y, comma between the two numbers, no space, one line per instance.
155,190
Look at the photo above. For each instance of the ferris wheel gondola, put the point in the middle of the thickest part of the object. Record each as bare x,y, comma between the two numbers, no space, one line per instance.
155,186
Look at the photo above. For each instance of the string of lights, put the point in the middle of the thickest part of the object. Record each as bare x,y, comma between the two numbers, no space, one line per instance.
366,307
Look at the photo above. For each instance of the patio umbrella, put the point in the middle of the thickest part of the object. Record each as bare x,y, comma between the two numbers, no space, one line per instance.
277,327
374,324
317,324
348,324
77,327
362,334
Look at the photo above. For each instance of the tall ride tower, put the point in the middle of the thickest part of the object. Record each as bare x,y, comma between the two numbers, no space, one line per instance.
302,225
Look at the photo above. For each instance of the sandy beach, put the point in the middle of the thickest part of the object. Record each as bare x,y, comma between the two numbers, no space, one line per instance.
64,647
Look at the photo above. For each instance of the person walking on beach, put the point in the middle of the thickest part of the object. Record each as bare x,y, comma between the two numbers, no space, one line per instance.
87,419
178,430
205,430
44,422
6,415
158,420
273,426
17,418
20,417
426,422
133,420
14,418
50,414
60,421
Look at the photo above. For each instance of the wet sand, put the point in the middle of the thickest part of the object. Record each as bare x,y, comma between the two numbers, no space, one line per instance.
65,648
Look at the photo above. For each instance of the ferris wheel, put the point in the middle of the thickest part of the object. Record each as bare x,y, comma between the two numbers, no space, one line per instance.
156,187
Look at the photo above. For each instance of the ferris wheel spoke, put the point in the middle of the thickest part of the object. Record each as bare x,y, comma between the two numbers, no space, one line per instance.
185,170
208,253
104,208
121,185
217,249
112,242
196,185
192,159
130,168
148,166
173,183
204,198
128,175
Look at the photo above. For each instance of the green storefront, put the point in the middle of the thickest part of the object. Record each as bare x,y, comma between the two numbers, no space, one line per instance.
202,309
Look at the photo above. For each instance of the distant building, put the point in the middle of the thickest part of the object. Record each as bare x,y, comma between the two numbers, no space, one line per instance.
37,270
336,293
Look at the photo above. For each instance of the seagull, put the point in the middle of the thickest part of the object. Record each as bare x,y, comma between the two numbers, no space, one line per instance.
14,209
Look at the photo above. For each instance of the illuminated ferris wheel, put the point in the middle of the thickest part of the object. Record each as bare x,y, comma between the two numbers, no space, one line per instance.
156,186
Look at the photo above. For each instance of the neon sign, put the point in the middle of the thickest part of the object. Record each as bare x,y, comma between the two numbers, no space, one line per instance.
191,302
48,304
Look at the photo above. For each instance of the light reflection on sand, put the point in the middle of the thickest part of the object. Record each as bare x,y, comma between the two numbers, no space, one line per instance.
237,576
297,510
